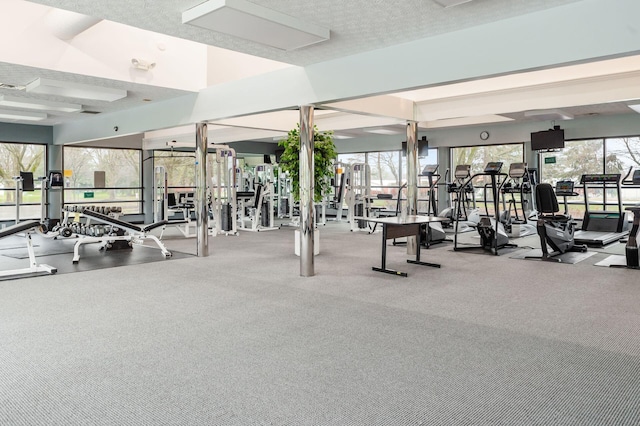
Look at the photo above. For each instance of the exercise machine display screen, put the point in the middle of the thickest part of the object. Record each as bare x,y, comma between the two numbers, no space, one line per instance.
517,170
564,187
430,169
493,167
462,171
600,178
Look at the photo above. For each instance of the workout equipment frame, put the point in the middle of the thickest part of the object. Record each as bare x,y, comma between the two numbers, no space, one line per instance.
34,268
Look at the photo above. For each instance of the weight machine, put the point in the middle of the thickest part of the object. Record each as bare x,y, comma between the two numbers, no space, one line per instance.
285,195
223,192
257,207
166,204
358,189
340,183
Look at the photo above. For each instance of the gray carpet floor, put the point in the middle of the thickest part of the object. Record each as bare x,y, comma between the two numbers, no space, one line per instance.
239,338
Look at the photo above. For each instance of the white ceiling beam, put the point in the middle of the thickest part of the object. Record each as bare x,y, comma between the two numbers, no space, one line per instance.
582,92
381,106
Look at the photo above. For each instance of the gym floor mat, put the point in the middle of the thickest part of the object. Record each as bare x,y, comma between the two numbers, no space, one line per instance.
21,252
613,260
570,258
479,250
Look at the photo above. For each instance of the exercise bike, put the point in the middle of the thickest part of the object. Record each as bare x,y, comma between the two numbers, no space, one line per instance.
555,230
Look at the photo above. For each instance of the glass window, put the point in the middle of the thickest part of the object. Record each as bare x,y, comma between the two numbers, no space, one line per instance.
122,177
478,157
180,168
577,158
14,158
623,156
423,182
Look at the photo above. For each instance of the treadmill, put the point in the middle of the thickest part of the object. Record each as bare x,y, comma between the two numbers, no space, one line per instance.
600,228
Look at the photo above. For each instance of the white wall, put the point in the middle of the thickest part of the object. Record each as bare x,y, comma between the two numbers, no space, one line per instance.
104,50
501,133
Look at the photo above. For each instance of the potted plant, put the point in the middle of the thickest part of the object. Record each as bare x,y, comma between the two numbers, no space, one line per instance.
324,152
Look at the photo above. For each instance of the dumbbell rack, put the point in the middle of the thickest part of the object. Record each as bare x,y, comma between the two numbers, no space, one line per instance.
72,224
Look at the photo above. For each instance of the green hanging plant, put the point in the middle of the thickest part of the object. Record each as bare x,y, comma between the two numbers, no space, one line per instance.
324,152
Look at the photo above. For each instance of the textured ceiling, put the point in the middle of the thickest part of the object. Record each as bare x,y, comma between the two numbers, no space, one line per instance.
356,25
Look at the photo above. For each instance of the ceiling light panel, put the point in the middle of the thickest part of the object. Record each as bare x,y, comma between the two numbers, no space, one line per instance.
635,107
549,114
450,3
249,21
15,102
22,115
383,131
66,89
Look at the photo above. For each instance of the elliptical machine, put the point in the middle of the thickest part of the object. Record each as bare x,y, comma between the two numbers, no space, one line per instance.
522,182
434,232
492,233
469,214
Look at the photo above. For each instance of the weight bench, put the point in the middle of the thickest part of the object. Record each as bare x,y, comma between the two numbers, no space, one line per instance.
135,233
26,227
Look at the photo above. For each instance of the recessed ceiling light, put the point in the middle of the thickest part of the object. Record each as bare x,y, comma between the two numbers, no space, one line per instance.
22,115
383,131
342,137
15,102
249,21
11,86
67,89
549,114
451,3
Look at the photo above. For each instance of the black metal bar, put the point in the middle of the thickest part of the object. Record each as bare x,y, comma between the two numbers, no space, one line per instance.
390,271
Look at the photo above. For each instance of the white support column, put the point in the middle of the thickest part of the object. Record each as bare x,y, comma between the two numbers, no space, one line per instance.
307,225
202,213
412,178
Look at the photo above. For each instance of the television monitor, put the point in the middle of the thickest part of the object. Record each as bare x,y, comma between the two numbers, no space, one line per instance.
547,139
423,147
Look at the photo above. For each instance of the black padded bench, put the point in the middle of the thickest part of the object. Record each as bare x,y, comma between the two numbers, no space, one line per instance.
135,233
33,268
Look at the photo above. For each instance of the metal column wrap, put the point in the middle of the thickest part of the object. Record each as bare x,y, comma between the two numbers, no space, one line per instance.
412,179
202,213
307,224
